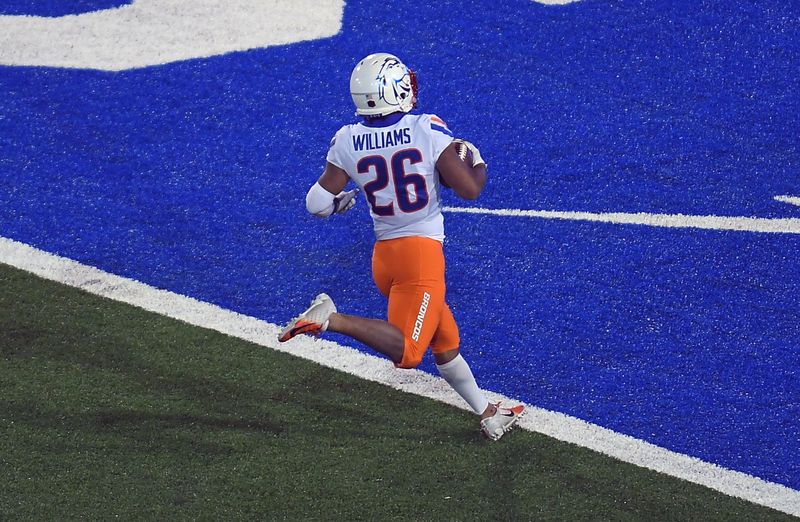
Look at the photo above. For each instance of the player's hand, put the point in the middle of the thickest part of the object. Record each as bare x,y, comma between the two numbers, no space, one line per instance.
476,154
344,201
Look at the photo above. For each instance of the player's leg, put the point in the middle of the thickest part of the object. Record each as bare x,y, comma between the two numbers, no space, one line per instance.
381,336
322,316
397,266
454,368
404,338
495,420
410,272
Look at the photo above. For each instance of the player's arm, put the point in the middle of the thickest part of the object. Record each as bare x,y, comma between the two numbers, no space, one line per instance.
466,181
325,197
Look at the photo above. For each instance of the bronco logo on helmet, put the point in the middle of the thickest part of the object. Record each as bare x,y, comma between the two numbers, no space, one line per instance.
394,82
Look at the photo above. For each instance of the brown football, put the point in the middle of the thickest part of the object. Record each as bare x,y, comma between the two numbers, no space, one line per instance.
464,153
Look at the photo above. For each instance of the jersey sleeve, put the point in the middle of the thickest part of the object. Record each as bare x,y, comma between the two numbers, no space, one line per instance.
441,135
335,154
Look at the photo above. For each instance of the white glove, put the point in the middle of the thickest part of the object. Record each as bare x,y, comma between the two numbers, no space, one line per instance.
476,154
344,201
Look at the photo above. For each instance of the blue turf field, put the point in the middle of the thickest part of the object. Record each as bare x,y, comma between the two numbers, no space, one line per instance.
192,177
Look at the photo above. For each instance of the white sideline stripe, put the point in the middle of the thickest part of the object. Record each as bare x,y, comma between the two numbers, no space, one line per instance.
741,224
792,200
333,355
154,32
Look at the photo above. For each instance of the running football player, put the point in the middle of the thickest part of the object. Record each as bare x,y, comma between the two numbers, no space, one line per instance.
400,162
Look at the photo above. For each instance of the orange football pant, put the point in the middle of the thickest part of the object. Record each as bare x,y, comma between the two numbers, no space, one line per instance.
409,271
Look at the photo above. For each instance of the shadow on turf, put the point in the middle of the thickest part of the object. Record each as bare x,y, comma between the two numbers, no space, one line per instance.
113,418
200,380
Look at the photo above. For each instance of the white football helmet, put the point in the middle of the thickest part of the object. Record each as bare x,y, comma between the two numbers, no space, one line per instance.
381,84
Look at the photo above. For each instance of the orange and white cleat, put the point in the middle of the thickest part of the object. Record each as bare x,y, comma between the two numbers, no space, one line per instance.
313,321
502,421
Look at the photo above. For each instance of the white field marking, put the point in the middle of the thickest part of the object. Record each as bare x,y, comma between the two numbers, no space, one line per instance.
555,2
741,224
792,200
153,32
349,360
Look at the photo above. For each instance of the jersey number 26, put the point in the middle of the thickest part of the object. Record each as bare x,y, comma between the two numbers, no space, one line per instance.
404,184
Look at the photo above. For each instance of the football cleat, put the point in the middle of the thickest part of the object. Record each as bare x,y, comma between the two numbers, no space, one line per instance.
313,321
502,421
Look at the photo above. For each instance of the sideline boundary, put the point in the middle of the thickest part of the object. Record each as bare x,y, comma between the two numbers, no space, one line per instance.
343,358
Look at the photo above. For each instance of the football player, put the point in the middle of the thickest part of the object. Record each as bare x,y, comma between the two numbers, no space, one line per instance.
400,162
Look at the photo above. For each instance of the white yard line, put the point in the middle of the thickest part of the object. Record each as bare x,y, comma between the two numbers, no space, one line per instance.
736,223
333,355
792,200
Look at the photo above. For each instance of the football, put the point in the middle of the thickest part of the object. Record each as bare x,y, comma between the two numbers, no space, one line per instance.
464,153
442,182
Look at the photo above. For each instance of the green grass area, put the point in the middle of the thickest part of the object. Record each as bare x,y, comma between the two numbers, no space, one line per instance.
108,411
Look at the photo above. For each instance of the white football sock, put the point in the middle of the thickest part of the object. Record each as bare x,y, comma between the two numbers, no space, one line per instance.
459,376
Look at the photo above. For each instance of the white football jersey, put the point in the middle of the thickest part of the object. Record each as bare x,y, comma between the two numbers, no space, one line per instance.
394,164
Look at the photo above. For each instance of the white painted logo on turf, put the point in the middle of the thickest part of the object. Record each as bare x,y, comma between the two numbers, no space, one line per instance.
154,32
423,309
